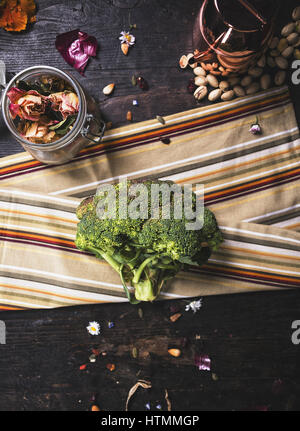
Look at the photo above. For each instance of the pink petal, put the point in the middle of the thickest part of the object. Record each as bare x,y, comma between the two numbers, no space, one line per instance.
76,47
14,110
14,94
203,362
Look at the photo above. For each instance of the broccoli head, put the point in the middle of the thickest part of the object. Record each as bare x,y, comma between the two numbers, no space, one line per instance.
149,249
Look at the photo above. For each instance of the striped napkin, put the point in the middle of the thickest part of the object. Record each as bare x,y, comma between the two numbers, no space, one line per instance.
251,184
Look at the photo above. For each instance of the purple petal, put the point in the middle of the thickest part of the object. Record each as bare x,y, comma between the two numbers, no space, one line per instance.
76,47
203,362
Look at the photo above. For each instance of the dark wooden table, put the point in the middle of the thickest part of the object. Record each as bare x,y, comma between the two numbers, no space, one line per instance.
254,363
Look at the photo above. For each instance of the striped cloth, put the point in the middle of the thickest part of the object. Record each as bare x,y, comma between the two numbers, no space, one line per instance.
251,184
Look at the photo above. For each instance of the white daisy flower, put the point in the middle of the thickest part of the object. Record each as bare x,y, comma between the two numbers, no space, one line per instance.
93,328
126,37
194,305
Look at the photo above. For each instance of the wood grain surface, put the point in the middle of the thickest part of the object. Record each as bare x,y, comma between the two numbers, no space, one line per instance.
248,337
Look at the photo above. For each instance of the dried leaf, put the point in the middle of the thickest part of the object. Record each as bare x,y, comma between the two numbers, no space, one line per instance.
141,383
133,80
16,14
134,352
169,405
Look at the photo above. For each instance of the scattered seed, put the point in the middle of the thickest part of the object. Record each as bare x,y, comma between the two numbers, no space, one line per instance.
199,71
165,140
293,38
246,81
134,352
140,313
124,48
200,92
288,29
224,85
282,62
239,91
283,43
133,80
253,88
95,408
296,13
92,358
174,352
108,89
228,95
183,62
200,80
214,95
175,317
111,367
214,377
161,119
265,81
212,80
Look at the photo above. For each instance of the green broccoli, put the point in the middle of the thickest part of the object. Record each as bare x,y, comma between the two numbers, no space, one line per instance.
148,250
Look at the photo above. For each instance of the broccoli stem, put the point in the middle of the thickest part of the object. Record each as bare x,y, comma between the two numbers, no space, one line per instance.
109,259
141,268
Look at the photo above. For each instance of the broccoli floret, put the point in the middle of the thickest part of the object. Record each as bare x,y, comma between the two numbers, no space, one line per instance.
145,251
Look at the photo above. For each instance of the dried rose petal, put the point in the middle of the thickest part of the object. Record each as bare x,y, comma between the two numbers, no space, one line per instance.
76,47
142,83
28,105
65,102
203,362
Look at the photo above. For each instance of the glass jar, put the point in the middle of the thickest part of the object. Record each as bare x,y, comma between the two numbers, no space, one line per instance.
87,127
237,32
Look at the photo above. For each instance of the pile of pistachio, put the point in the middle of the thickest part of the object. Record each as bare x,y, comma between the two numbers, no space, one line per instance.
270,69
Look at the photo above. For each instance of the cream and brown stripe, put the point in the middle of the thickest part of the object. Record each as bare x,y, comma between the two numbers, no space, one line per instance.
40,266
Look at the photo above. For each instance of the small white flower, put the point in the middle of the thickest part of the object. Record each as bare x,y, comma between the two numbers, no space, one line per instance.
93,328
194,305
126,37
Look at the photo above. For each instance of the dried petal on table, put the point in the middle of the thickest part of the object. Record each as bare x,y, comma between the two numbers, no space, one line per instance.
203,362
142,83
15,15
76,47
111,367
